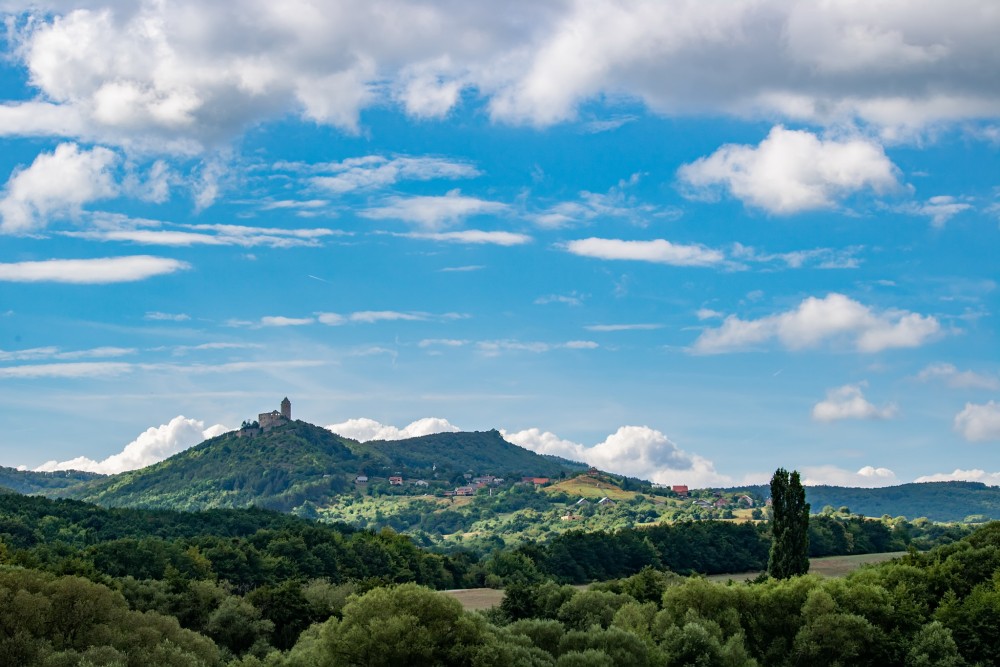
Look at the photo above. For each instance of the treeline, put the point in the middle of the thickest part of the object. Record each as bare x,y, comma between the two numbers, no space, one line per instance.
249,580
717,547
941,608
244,548
936,501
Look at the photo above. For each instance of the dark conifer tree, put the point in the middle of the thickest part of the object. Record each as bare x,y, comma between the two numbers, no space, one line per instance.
789,527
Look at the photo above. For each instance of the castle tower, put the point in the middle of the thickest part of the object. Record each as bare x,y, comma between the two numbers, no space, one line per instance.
286,409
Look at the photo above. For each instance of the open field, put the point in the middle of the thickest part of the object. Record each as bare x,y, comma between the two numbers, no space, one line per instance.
474,599
831,566
588,487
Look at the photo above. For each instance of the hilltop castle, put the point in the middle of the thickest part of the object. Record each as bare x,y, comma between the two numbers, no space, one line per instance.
267,420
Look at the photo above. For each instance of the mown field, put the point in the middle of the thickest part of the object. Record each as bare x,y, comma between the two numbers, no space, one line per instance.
475,599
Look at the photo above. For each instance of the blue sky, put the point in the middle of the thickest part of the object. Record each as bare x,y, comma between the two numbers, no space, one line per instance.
681,241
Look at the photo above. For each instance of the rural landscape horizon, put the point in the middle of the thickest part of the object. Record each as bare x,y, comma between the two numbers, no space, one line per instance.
571,224
560,333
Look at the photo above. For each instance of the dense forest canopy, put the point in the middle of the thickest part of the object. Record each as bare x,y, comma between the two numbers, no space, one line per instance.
84,585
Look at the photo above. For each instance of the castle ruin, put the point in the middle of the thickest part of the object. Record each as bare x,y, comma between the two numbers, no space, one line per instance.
269,420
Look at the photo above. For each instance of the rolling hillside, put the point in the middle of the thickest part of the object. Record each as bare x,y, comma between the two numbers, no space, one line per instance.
29,481
278,469
937,501
298,462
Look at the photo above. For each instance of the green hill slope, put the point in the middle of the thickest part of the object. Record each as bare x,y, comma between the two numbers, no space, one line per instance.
29,481
479,452
299,462
279,469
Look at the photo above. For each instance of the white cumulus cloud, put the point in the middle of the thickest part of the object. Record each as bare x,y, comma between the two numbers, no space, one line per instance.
364,429
152,446
816,321
636,451
56,184
848,402
867,477
979,422
959,475
792,171
141,74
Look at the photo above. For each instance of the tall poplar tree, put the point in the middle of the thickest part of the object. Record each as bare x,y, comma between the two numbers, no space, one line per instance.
789,527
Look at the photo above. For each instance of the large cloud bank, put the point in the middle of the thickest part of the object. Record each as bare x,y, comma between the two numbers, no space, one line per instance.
152,446
185,74
637,451
364,429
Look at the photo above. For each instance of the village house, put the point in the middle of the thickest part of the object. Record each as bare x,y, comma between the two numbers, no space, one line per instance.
420,482
361,479
606,502
395,480
680,489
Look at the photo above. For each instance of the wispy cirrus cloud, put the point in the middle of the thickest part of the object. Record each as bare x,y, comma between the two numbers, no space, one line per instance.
157,316
434,212
492,348
617,202
957,379
471,237
658,251
99,271
939,209
187,235
821,258
623,327
377,171
338,319
108,369
572,299
57,353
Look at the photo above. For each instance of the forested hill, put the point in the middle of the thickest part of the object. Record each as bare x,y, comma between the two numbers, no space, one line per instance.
29,481
299,463
937,501
477,453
